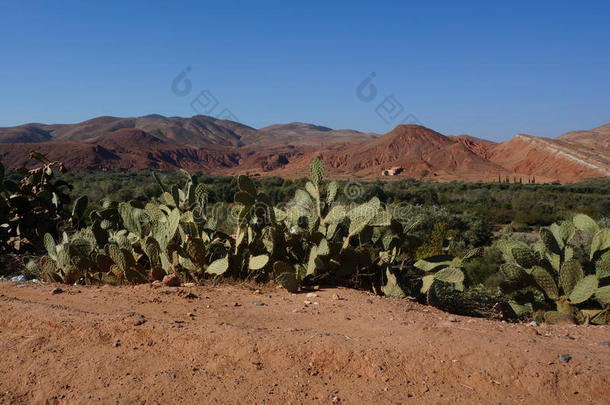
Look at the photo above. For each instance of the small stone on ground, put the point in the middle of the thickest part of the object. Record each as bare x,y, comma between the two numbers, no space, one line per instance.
171,280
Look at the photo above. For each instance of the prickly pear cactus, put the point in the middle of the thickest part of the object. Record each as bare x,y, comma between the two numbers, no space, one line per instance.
525,257
317,171
218,267
584,289
392,289
600,243
513,273
258,262
545,282
570,274
553,269
585,223
286,276
549,241
450,275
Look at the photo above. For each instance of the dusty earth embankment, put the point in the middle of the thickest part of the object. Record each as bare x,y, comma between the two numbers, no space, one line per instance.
147,345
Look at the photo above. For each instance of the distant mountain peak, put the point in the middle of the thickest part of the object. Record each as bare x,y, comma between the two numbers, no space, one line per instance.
296,126
596,138
154,116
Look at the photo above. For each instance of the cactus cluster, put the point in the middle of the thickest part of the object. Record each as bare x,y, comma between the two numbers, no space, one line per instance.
319,236
36,204
551,282
333,239
316,237
135,241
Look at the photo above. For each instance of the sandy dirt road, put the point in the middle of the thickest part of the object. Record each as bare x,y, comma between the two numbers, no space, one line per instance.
231,344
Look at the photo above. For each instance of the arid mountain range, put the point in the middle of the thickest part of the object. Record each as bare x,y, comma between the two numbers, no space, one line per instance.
227,147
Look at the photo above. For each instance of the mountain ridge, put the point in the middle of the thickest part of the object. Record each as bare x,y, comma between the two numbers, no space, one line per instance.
226,147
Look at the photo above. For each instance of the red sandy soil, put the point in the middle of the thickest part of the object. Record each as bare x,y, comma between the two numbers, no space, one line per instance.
162,345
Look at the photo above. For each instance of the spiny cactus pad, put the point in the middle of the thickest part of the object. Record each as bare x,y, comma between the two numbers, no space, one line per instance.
512,272
317,170
50,245
433,263
450,275
288,280
392,289
331,192
585,223
427,283
570,274
312,190
556,317
244,198
218,267
583,290
506,247
246,184
258,262
603,294
549,241
600,242
196,250
602,269
472,253
546,282
524,257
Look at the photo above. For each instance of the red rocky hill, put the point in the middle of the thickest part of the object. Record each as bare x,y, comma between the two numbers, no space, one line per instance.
227,147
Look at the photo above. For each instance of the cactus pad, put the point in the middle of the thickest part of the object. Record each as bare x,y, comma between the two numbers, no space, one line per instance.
331,192
600,242
288,280
49,244
550,242
433,263
556,317
512,272
569,275
450,275
602,269
218,267
585,223
246,184
583,290
196,250
317,171
258,262
603,294
545,282
392,289
524,257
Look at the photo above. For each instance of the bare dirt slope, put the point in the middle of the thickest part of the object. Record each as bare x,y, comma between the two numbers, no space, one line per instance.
227,148
164,345
596,138
417,150
551,158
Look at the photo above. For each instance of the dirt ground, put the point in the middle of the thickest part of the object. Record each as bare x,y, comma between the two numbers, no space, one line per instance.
230,344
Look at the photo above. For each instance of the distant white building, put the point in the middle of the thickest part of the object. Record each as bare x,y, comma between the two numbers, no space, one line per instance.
392,171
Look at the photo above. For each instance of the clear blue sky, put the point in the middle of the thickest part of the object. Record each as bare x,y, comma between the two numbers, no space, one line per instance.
490,69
